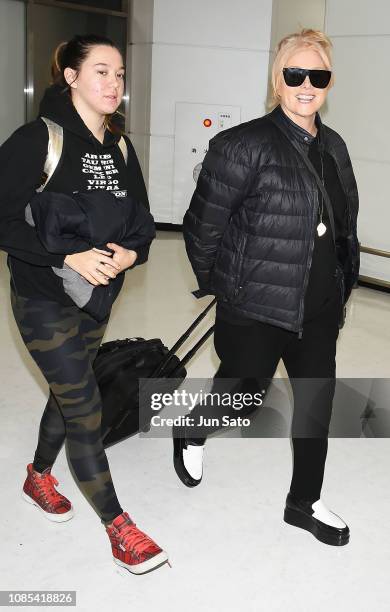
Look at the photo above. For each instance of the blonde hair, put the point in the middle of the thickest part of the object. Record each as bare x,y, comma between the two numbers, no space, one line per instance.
305,39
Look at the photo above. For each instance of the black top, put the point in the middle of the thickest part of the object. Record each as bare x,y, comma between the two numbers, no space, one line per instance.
322,281
86,164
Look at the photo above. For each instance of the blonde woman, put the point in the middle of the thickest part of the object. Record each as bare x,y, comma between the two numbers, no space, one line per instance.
271,232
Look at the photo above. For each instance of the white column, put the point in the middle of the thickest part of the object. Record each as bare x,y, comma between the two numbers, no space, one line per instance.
358,109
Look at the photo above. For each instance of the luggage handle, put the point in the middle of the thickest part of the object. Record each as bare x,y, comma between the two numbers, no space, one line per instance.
192,351
177,345
183,338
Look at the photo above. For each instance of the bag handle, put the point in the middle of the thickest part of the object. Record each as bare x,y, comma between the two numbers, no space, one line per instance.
310,166
183,338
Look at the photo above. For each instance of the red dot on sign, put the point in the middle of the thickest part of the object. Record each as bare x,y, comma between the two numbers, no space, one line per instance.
207,122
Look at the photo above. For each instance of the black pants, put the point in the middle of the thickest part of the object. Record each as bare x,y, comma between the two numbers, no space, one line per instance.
63,341
252,353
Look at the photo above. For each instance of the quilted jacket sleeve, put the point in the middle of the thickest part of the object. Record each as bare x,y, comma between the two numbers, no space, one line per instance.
349,255
221,187
351,281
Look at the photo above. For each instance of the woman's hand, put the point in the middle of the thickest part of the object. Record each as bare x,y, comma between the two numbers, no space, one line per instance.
95,265
124,257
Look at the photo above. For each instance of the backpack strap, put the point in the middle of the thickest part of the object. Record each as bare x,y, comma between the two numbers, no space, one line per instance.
123,147
54,149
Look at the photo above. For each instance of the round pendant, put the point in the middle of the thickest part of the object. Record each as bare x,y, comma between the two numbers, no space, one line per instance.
321,229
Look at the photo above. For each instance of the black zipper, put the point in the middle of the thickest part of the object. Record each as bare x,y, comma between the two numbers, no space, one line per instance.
340,275
308,264
349,213
238,287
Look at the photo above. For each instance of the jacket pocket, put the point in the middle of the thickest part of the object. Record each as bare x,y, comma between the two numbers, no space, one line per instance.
341,282
238,286
341,285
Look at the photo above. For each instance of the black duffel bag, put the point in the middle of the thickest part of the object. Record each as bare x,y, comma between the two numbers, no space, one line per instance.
118,366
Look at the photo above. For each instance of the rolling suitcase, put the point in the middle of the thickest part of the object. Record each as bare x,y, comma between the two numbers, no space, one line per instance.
118,366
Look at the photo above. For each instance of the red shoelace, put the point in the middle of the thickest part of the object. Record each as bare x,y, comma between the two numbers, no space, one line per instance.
131,537
46,485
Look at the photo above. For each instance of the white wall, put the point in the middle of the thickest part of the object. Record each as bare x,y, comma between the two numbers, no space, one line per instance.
140,55
358,109
200,52
293,15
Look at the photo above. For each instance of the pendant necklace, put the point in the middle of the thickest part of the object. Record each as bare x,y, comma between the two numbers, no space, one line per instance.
321,227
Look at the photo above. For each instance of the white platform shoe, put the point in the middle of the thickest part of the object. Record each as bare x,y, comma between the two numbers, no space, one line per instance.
315,517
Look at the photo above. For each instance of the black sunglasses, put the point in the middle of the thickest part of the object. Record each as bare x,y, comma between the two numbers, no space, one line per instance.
293,77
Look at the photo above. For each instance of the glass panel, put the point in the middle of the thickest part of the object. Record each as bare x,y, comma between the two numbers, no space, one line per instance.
12,66
59,24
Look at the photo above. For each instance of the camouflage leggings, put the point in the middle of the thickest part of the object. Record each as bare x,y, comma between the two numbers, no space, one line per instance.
63,341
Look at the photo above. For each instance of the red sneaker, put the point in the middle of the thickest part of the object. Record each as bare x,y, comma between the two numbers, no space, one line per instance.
39,490
132,548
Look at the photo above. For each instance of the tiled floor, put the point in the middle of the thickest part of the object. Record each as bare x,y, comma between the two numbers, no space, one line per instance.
228,544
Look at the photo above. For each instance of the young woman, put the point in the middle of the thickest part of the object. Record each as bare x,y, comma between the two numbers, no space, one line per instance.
88,85
281,257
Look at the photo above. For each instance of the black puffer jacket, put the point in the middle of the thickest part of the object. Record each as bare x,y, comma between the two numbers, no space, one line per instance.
249,230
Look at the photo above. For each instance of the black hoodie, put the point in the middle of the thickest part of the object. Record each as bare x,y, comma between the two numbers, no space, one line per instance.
86,164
